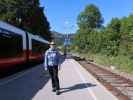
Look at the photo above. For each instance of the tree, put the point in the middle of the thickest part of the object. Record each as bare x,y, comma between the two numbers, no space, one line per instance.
126,47
32,17
127,26
90,18
111,37
89,21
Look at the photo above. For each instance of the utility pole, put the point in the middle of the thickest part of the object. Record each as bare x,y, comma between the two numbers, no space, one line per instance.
67,37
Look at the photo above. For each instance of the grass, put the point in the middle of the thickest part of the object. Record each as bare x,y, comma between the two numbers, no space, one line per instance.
120,62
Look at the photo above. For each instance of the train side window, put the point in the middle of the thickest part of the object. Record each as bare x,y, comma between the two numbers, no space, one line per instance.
10,45
38,47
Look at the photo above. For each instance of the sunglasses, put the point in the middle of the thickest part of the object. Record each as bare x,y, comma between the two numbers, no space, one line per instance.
52,44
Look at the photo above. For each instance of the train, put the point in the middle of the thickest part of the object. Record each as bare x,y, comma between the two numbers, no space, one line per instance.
19,47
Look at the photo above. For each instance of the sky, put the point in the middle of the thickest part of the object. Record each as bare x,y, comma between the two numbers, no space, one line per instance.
62,14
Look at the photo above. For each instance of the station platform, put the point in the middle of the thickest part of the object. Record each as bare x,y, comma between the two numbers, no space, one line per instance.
35,84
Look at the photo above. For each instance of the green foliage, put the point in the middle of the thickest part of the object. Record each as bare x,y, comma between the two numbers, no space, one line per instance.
114,39
32,17
90,18
111,37
126,43
110,45
88,21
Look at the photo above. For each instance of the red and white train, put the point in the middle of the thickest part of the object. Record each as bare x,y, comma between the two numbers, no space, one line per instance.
18,47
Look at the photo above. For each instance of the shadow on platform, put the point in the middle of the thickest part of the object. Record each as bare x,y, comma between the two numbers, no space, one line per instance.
77,87
26,87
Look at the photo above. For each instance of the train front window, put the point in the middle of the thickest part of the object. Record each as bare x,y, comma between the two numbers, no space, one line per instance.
10,45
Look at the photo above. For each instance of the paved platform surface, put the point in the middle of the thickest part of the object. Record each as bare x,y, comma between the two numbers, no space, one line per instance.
75,82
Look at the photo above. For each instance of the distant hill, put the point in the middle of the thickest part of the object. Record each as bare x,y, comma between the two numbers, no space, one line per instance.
57,34
59,37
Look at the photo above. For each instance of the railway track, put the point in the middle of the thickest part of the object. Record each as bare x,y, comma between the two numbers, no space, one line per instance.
120,86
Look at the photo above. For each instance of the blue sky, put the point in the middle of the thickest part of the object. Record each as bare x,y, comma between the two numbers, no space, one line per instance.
62,14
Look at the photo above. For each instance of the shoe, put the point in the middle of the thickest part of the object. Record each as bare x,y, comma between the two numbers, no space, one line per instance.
57,92
54,90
